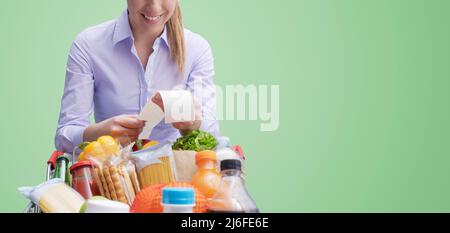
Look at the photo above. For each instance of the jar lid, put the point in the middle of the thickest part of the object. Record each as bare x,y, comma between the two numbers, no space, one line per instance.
178,196
206,154
81,164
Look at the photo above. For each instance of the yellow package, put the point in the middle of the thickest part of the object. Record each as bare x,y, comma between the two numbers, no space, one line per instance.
155,165
54,196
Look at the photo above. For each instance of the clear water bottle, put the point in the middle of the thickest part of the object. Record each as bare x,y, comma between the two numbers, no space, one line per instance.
232,195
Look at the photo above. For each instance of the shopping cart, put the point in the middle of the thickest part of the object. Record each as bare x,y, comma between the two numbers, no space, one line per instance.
51,165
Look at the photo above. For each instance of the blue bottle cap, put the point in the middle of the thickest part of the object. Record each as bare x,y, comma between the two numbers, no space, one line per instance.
178,196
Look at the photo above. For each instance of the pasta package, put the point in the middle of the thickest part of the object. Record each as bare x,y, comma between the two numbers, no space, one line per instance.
155,165
54,196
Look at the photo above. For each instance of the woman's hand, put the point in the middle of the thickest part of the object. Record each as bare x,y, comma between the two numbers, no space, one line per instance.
125,128
183,127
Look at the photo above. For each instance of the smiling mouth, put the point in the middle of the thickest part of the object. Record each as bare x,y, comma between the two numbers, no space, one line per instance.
152,18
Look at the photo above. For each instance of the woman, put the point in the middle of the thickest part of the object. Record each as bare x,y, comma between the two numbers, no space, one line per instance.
115,67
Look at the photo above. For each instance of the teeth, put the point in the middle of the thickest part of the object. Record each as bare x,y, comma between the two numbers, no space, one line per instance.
153,18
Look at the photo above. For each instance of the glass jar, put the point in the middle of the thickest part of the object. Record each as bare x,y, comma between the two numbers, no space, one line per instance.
82,179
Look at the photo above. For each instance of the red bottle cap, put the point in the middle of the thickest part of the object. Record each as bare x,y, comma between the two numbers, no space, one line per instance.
81,164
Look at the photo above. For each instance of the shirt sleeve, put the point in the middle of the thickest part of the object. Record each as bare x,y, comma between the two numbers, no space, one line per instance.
77,100
201,84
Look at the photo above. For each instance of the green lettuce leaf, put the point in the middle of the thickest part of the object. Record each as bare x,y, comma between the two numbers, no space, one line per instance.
196,140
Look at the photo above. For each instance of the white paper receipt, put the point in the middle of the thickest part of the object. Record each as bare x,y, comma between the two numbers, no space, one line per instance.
178,106
152,114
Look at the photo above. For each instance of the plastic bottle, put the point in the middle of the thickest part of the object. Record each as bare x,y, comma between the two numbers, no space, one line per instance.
222,142
178,200
206,179
232,195
224,151
225,154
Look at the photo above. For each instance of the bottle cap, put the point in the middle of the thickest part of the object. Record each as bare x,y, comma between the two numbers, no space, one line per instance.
81,164
230,164
178,196
206,154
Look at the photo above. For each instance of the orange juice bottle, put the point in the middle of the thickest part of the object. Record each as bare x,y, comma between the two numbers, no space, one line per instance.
206,179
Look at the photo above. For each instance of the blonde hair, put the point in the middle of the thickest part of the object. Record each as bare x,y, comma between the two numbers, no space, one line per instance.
175,35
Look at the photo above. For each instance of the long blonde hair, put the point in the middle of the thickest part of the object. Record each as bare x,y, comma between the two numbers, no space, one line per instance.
175,35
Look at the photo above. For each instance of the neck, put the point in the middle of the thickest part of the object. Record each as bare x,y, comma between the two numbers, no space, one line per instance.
145,36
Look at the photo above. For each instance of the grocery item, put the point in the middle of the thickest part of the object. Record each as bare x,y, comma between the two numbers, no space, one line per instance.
150,198
150,144
62,168
109,145
206,179
113,173
195,140
224,154
232,195
144,144
155,165
222,142
178,200
83,179
95,150
101,149
116,179
54,196
184,150
224,151
85,204
100,180
185,164
101,205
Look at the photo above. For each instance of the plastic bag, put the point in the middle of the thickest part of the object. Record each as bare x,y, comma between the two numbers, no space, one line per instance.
185,164
54,196
117,178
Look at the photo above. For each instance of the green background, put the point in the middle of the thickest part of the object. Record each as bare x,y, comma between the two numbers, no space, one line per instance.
364,96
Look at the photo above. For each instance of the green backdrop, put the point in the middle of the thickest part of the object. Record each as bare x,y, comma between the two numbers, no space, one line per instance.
364,96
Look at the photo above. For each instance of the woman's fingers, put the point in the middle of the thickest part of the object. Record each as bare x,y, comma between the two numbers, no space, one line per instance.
183,125
124,132
130,122
125,135
125,141
157,99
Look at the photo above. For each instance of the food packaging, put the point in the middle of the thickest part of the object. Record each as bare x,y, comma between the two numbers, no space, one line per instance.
83,179
54,196
155,165
118,180
116,177
185,164
104,206
150,198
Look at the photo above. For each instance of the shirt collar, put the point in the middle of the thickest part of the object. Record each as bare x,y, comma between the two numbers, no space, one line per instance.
123,31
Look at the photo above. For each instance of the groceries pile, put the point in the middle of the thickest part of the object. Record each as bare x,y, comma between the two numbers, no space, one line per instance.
197,173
